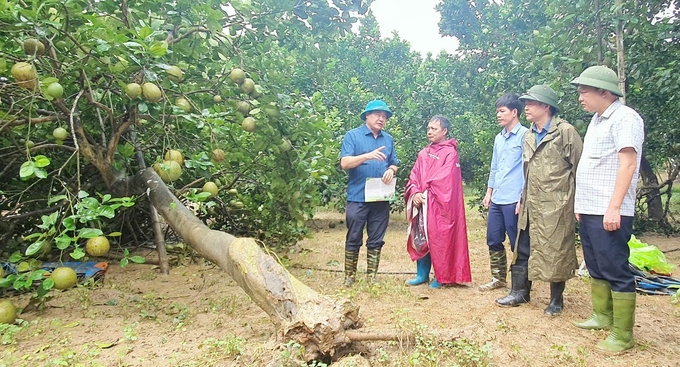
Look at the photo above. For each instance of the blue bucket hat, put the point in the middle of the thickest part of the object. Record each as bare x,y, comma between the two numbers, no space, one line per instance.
376,105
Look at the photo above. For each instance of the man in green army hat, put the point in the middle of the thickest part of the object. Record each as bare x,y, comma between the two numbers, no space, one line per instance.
545,248
606,180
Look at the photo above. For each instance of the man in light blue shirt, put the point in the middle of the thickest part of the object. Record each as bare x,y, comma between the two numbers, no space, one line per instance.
506,181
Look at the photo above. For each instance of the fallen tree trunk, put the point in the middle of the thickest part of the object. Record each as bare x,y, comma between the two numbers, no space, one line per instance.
300,314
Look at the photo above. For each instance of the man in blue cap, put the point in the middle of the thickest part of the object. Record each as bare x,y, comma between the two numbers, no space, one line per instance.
367,152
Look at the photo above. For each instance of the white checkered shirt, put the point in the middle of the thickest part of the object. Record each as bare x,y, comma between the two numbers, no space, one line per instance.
619,127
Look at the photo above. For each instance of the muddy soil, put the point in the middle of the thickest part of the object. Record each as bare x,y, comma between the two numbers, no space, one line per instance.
197,316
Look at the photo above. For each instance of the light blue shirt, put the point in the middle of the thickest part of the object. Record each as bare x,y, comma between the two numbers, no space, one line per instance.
507,176
359,141
541,134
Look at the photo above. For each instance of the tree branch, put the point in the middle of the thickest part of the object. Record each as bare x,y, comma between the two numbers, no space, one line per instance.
34,213
91,100
124,11
198,180
8,166
171,40
33,121
56,146
115,138
662,184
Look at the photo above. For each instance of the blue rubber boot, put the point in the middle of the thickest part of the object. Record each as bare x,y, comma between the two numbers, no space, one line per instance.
435,284
424,264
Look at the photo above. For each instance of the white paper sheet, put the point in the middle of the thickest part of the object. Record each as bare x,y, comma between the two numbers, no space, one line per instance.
376,190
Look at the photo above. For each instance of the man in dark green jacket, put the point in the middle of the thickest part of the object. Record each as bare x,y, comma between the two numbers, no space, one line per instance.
545,245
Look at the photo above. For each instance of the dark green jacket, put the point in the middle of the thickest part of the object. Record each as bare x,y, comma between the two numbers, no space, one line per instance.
548,200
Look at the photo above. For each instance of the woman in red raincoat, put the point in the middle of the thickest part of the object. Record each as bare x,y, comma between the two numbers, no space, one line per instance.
435,209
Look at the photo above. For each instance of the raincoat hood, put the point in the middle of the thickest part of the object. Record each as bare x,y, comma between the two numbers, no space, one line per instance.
435,147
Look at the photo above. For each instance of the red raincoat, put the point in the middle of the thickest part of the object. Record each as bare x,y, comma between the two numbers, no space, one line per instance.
437,174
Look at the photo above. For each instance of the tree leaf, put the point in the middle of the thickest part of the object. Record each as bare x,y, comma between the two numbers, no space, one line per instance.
63,241
15,257
137,259
34,247
27,170
45,287
105,345
7,280
77,253
55,199
49,220
145,32
132,44
158,49
89,232
69,223
48,80
32,236
37,275
40,173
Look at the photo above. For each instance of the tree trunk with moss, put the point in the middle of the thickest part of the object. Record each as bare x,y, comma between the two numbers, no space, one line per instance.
652,197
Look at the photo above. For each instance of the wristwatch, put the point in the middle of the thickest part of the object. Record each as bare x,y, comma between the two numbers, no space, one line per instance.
393,170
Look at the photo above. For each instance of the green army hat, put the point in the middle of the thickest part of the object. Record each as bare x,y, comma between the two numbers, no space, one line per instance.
541,93
600,77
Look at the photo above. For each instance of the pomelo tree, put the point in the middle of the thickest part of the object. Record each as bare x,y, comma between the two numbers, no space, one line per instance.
94,93
416,87
515,44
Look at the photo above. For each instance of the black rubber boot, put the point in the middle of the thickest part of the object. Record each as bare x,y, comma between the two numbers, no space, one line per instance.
521,288
556,299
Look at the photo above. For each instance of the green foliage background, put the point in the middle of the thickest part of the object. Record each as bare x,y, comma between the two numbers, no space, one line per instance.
314,76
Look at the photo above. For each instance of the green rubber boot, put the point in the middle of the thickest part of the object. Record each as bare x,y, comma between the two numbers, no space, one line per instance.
620,338
601,296
372,262
351,260
499,271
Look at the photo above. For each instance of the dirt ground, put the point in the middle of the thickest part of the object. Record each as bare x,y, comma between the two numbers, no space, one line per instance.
197,316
